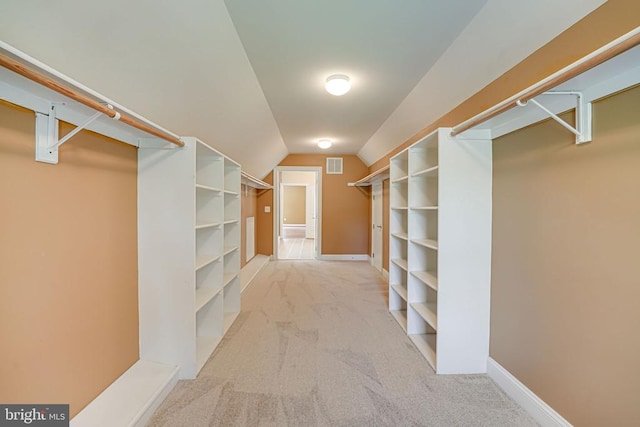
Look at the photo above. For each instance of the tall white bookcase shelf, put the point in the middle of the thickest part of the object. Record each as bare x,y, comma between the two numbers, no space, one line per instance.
189,244
440,248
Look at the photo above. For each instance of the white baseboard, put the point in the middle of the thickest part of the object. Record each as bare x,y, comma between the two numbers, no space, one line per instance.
251,270
348,257
132,398
536,407
385,274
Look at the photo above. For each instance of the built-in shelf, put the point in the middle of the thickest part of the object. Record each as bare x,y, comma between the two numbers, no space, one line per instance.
427,278
208,225
428,311
401,317
448,186
426,345
400,208
227,278
204,295
208,188
424,208
204,260
429,172
427,243
400,290
193,287
402,263
400,180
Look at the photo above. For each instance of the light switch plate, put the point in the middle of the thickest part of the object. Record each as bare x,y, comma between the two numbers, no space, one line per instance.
267,209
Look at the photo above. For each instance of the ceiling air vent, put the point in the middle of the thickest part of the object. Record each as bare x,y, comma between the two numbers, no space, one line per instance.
334,165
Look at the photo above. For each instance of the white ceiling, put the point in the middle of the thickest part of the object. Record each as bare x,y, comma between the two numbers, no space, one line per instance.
247,76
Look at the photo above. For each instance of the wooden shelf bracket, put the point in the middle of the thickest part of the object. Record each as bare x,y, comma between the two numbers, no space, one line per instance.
47,142
584,116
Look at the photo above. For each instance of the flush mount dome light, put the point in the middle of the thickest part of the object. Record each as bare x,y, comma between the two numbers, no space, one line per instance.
324,143
338,84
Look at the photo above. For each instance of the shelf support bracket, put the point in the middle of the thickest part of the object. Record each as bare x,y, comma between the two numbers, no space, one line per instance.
584,115
47,141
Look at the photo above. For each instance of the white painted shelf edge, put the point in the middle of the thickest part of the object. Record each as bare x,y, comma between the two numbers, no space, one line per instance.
429,172
228,278
400,290
403,236
401,317
427,278
208,225
204,295
208,188
428,312
204,260
402,263
427,243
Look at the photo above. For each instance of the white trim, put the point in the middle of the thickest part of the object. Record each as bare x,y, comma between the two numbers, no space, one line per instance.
276,205
347,257
131,399
251,270
544,414
385,274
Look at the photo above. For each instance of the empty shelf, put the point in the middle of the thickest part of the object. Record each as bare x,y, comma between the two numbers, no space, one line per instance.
427,278
204,260
208,225
204,295
207,188
400,290
229,318
427,243
426,344
428,311
402,263
429,172
401,318
402,236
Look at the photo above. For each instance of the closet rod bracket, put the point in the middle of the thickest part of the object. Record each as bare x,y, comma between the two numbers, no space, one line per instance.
584,115
47,141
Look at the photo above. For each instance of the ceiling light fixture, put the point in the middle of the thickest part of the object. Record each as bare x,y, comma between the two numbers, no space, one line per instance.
338,84
324,143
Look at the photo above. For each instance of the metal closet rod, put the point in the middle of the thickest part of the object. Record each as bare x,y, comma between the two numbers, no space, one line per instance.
32,75
616,47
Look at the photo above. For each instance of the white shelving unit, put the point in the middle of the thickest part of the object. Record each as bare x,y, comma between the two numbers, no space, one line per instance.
440,249
398,242
189,264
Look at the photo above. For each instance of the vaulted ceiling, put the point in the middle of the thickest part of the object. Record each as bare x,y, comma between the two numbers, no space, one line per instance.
247,76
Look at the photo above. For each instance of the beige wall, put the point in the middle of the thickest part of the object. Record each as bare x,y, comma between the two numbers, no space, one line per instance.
345,210
565,271
294,204
248,209
68,265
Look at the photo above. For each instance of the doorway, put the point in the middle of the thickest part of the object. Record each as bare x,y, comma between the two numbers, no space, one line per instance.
297,212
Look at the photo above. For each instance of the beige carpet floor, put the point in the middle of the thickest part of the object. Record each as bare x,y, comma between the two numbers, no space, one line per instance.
315,345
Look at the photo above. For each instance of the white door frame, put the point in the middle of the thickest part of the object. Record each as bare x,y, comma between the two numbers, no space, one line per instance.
376,236
276,215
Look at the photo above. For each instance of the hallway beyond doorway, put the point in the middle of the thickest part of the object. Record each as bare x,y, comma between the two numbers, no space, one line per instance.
294,245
